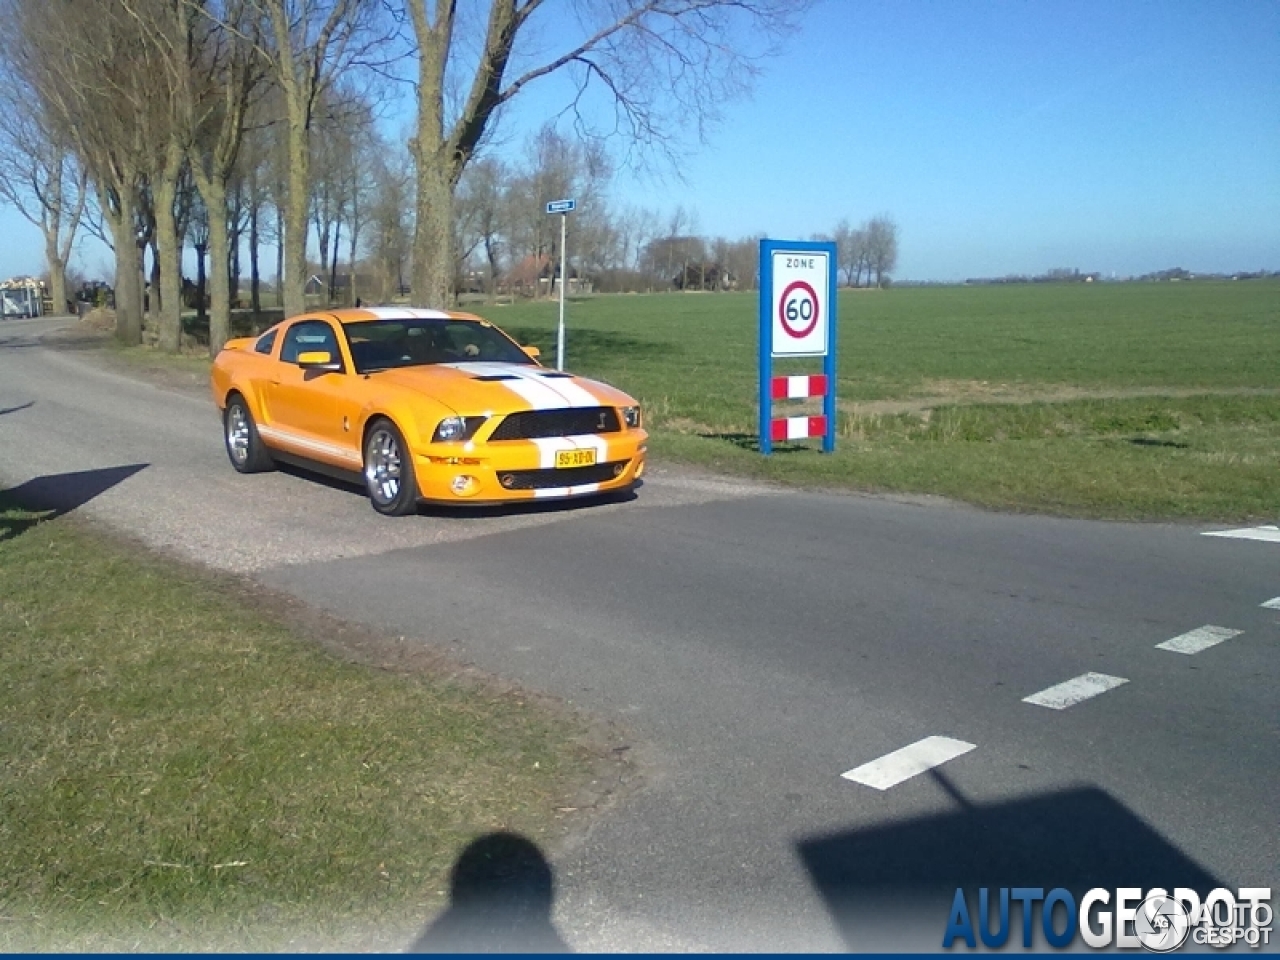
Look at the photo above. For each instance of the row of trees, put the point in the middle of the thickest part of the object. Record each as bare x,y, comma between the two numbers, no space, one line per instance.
867,251
210,120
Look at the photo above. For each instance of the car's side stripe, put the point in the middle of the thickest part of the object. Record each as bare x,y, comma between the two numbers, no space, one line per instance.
318,446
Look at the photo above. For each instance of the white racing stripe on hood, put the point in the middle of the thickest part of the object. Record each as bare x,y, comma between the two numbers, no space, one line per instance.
574,395
532,391
539,391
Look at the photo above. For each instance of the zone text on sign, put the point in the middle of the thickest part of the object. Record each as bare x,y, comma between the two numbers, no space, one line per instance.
801,263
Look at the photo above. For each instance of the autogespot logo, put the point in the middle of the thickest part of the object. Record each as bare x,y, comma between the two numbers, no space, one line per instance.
1126,918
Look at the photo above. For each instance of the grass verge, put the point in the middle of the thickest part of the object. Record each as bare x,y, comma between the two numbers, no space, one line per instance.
182,769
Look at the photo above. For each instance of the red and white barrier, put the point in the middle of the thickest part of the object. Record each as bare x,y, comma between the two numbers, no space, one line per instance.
798,428
798,388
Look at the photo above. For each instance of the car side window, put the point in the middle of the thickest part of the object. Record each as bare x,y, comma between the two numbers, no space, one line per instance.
308,336
266,343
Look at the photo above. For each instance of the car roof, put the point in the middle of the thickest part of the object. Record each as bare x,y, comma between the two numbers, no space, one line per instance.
364,314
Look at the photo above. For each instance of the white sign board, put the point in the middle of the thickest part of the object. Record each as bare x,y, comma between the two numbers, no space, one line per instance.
801,316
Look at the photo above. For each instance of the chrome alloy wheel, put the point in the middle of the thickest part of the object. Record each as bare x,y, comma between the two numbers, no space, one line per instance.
382,465
238,434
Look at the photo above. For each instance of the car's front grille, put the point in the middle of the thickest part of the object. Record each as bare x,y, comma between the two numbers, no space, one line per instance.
568,477
574,422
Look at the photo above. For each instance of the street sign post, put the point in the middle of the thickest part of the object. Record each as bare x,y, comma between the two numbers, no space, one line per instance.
797,319
564,208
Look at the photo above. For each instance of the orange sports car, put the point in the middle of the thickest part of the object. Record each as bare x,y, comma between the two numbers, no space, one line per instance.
422,405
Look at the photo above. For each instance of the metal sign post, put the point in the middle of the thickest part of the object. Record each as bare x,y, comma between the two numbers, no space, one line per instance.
797,319
562,207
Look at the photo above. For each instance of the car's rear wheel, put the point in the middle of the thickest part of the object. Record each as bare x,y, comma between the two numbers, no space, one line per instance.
245,448
388,470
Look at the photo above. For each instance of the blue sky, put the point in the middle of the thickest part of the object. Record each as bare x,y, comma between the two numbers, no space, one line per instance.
1003,137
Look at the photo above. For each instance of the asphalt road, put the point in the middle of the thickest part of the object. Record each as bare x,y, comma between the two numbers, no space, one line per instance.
761,643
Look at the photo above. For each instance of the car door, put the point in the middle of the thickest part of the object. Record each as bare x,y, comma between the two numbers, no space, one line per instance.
314,412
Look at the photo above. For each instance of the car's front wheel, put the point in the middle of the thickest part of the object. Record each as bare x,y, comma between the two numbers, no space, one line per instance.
388,470
245,448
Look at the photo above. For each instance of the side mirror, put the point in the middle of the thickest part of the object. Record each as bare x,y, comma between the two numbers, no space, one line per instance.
532,352
319,360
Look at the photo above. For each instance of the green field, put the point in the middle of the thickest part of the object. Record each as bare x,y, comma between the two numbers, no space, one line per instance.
1114,400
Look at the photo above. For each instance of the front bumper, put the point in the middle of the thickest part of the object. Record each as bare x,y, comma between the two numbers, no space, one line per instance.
526,470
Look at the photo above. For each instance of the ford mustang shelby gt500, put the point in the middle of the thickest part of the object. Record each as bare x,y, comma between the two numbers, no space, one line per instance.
422,405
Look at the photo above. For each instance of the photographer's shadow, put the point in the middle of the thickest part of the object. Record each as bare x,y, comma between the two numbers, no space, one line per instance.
501,893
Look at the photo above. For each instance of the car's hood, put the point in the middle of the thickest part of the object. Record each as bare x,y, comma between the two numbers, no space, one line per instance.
475,388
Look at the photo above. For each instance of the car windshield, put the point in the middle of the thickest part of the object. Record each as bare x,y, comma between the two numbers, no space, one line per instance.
386,344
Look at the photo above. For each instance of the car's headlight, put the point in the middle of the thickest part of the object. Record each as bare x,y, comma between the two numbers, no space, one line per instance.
454,429
631,417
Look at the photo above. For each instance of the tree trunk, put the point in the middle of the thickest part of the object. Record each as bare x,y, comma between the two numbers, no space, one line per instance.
202,284
355,238
128,287
333,268
295,225
57,272
214,191
255,275
168,310
433,236
280,257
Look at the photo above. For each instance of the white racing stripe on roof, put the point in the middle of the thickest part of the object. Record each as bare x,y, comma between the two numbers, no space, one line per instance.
405,313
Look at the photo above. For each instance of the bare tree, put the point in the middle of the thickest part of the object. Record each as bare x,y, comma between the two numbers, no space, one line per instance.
663,65
39,174
88,66
312,43
882,248
390,220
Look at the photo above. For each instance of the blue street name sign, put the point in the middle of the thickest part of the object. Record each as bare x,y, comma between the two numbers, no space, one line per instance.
561,206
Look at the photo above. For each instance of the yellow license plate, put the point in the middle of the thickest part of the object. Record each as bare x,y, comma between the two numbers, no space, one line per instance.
575,458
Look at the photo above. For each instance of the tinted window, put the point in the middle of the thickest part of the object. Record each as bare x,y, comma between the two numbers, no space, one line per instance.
266,342
382,344
307,336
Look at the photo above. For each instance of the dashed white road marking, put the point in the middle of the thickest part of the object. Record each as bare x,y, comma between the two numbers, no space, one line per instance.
1200,639
1272,604
1073,691
1268,533
893,768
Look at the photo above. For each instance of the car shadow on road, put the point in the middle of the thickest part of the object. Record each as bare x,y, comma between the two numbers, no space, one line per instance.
885,884
469,512
501,893
54,495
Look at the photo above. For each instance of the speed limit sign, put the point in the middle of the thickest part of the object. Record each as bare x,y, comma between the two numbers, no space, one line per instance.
800,307
797,319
